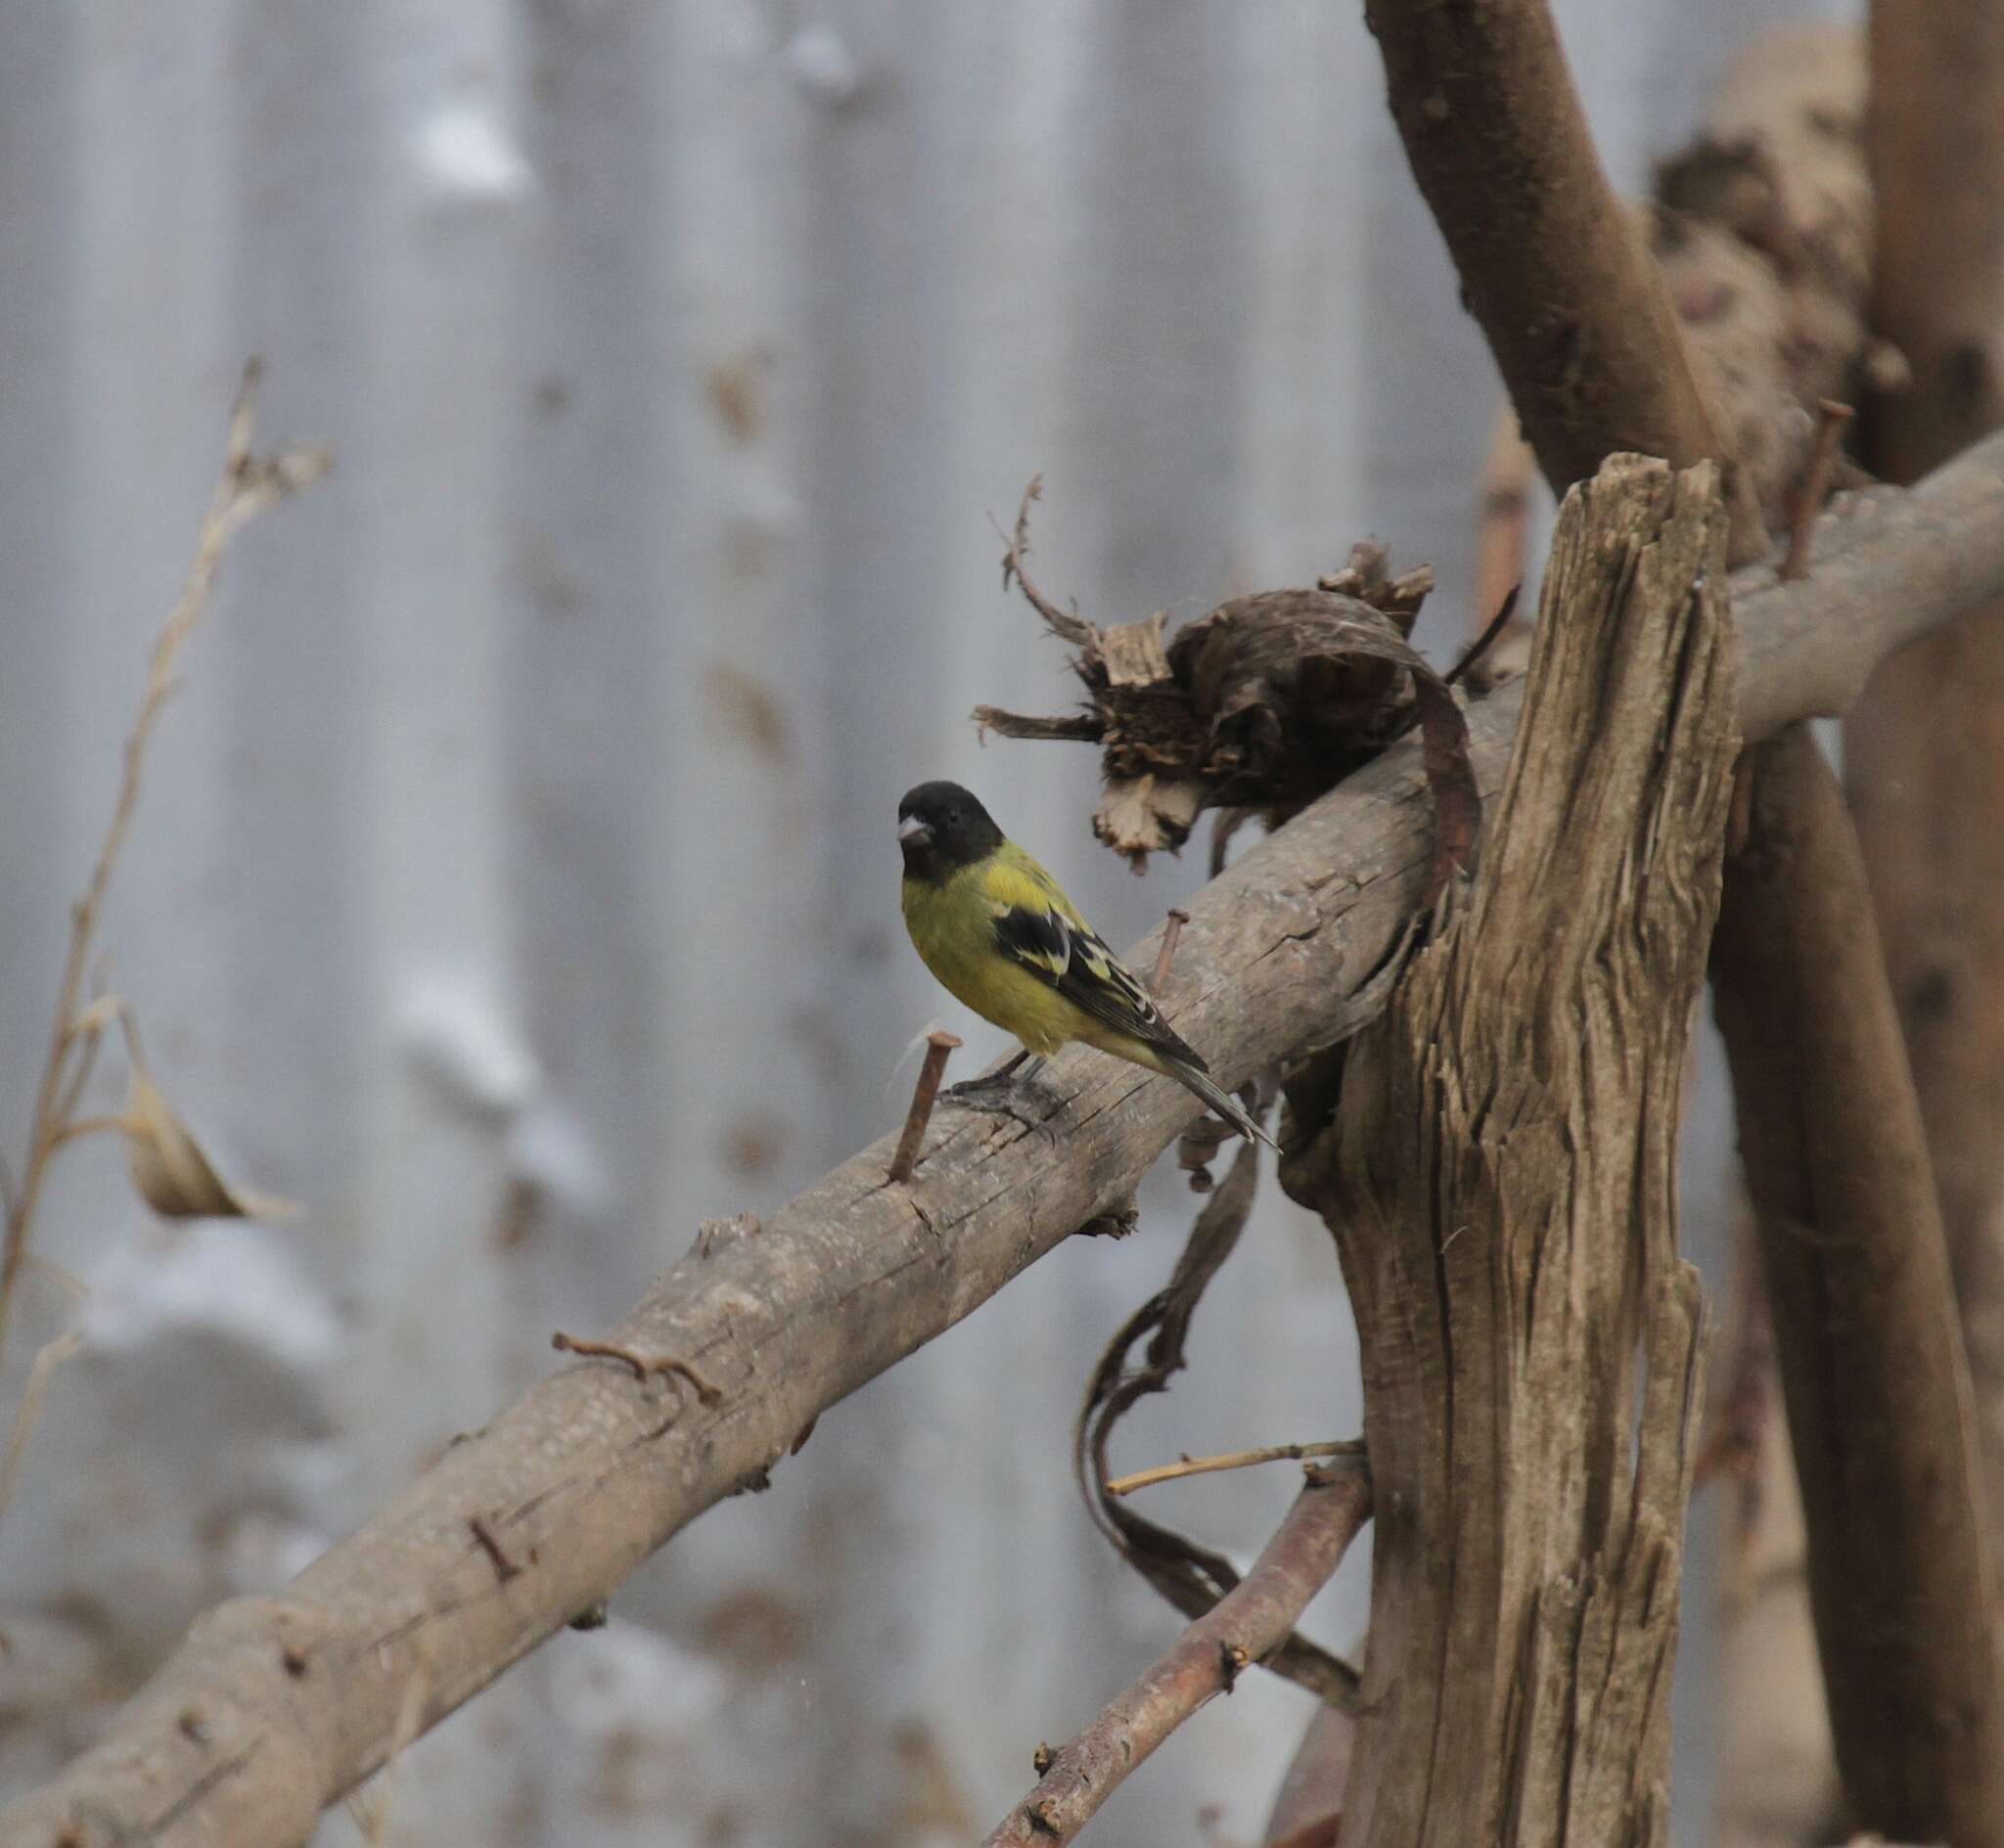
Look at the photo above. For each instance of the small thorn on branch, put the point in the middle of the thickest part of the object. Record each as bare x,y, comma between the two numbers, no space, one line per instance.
505,1569
1831,418
644,1366
939,1049
1166,955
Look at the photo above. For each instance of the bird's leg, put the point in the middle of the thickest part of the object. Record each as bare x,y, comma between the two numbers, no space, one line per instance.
1002,1078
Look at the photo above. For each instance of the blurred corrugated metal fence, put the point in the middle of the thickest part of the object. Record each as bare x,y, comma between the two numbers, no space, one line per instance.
513,882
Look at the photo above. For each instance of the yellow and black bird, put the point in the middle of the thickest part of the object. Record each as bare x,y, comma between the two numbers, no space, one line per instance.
999,935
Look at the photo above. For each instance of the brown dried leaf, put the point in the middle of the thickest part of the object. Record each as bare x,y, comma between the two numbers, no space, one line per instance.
1301,687
170,1170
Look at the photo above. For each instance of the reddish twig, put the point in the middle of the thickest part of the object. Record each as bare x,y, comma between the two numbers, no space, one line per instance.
1166,955
1831,418
1204,1661
938,1050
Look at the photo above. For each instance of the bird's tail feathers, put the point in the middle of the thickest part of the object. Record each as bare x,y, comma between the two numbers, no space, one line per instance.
1200,1083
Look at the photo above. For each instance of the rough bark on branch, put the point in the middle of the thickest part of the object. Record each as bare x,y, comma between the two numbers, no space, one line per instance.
1500,1176
1924,752
1253,1618
1872,1362
581,1482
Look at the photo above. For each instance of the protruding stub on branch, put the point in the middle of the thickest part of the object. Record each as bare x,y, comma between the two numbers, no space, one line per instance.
1266,703
939,1049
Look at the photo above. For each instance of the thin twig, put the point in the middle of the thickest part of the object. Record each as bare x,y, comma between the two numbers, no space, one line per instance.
1172,928
1472,656
249,484
1831,418
1232,1459
938,1050
1244,1626
74,1127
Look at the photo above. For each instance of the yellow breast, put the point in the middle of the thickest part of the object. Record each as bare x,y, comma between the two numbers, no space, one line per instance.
952,927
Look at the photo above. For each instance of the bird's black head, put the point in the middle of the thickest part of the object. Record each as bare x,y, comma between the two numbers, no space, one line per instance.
942,828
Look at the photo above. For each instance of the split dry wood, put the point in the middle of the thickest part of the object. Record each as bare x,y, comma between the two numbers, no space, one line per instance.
1501,1178
856,1274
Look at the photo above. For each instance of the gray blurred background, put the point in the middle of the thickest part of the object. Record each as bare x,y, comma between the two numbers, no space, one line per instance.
514,882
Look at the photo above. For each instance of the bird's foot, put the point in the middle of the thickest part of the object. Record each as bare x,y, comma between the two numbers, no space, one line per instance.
1011,1092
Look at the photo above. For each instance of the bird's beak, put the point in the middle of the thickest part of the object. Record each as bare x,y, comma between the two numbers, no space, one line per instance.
912,832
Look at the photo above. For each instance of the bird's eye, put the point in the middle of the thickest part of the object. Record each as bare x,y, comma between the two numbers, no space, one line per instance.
953,815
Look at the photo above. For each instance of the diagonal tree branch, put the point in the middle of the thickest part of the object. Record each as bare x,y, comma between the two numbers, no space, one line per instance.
1573,304
298,1696
1900,1577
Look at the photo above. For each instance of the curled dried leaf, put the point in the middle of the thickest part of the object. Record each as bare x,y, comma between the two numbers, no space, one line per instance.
1189,1575
168,1167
